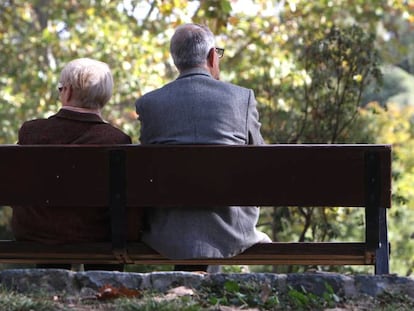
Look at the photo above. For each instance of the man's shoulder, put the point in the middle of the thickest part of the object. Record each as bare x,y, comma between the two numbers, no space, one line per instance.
155,95
155,92
235,86
234,89
210,82
205,82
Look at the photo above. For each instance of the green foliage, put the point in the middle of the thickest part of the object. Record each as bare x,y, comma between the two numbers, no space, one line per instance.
397,88
242,295
5,215
324,94
304,300
395,301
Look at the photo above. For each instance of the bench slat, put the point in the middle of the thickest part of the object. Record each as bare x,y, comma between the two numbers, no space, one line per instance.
272,175
276,175
269,253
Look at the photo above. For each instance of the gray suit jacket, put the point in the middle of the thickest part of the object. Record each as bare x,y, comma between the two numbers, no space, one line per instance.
197,109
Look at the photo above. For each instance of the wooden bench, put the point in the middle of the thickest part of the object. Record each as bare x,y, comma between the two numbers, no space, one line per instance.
168,175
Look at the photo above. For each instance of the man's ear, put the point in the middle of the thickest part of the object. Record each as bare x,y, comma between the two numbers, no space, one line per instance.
211,58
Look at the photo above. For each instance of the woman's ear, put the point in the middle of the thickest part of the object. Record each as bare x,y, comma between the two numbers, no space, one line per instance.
66,94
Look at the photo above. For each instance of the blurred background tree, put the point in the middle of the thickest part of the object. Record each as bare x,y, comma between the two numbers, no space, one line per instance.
314,66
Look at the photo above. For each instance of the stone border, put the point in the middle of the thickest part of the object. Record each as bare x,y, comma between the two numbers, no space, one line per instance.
57,282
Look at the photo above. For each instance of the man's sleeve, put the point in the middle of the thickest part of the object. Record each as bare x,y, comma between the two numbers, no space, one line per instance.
253,124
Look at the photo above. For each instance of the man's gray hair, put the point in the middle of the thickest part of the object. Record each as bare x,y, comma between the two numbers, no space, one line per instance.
91,82
190,45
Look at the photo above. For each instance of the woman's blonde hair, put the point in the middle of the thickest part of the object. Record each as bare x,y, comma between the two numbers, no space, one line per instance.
91,82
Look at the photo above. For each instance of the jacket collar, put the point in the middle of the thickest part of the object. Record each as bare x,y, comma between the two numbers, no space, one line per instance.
194,71
78,116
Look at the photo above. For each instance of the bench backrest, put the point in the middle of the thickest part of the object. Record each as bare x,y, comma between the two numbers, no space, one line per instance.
169,175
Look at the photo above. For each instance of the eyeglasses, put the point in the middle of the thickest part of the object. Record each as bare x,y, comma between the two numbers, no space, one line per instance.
220,52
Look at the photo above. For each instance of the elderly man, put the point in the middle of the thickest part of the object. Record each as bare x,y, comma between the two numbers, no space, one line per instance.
197,108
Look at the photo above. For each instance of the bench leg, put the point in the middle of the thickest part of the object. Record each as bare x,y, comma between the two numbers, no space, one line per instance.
383,252
376,234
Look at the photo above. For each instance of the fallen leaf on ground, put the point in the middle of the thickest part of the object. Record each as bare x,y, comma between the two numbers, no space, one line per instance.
181,291
174,293
109,292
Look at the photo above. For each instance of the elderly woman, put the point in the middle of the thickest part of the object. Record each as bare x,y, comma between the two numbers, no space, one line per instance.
85,86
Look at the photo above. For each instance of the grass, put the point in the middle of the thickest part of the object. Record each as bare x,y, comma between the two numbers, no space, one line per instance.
231,296
10,301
